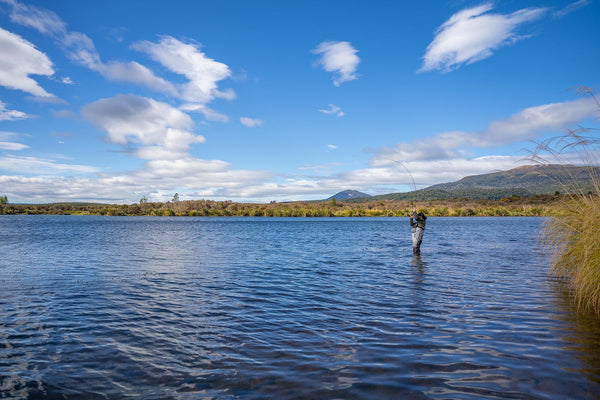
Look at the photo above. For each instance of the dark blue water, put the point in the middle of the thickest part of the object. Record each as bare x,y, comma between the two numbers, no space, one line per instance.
200,308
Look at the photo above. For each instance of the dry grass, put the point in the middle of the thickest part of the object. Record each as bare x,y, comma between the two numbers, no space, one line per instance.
574,241
573,237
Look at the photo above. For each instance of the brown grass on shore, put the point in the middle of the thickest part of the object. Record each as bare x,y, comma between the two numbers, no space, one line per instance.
573,235
543,205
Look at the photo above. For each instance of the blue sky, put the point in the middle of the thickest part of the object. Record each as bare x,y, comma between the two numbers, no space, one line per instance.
282,100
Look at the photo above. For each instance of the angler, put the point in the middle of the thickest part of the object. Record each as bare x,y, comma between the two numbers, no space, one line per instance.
417,228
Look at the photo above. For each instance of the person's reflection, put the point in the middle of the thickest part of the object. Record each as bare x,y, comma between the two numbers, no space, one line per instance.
418,269
417,263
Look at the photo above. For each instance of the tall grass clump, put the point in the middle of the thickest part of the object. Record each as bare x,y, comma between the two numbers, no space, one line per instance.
573,236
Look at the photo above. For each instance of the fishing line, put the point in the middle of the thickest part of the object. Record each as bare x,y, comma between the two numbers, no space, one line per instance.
407,170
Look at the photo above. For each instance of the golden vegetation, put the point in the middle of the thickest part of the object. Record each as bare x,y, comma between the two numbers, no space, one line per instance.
543,205
573,236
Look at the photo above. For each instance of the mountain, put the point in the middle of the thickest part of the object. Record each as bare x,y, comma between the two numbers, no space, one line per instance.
538,179
523,181
349,194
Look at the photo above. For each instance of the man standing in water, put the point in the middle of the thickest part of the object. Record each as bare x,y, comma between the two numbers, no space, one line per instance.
417,228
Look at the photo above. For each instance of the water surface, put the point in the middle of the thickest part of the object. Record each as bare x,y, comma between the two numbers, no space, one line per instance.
249,308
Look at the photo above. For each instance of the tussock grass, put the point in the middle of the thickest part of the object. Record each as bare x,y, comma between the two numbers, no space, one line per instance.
573,239
573,236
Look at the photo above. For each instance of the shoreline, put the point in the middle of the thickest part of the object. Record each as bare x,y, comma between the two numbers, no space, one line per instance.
535,206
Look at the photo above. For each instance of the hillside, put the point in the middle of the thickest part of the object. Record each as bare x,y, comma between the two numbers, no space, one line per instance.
523,181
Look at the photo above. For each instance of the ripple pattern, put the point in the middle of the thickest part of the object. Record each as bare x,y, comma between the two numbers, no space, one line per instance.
254,308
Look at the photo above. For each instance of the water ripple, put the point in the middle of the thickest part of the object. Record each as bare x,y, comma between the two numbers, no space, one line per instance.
189,308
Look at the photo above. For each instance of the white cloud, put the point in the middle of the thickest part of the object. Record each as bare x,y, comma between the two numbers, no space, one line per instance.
41,166
208,113
188,60
44,189
13,146
18,60
80,48
44,21
527,124
339,58
473,34
136,73
164,132
523,126
251,122
384,179
332,147
185,59
571,8
333,110
158,180
66,80
10,115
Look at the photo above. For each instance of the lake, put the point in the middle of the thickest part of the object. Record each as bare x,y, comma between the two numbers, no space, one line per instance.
254,308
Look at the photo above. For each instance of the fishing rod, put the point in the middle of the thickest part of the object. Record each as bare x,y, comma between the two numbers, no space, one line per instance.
411,177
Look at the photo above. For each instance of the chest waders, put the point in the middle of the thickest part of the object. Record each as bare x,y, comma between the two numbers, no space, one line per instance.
417,228
417,238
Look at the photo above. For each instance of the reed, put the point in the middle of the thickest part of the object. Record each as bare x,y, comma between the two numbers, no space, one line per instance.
573,236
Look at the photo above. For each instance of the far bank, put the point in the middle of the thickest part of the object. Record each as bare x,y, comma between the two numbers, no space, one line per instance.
541,205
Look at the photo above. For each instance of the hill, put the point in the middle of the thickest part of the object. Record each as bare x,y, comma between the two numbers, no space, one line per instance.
523,181
349,194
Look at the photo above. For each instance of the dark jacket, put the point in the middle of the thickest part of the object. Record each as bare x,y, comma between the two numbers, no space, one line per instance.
420,220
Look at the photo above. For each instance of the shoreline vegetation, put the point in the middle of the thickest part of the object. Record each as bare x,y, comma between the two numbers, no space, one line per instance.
572,236
540,205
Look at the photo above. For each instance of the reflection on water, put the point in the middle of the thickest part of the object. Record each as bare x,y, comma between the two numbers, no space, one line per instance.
584,334
188,308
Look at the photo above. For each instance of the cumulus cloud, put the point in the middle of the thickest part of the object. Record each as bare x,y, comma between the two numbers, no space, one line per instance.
162,135
68,188
136,73
339,58
473,34
333,110
525,125
448,156
251,122
162,131
378,178
528,123
81,49
11,115
18,60
157,181
188,60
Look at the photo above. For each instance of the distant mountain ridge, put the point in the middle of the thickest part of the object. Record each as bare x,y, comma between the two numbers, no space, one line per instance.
538,179
349,194
528,180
